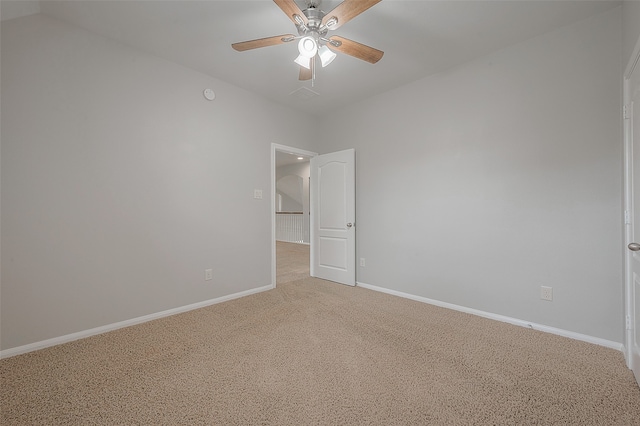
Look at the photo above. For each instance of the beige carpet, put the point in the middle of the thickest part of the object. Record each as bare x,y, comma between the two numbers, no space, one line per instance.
314,352
292,261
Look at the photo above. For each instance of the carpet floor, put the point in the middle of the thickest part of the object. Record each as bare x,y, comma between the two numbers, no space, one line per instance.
316,352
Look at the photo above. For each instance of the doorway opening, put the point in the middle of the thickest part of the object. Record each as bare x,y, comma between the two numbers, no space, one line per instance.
290,214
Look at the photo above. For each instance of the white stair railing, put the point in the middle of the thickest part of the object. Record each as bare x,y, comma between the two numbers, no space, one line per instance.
290,227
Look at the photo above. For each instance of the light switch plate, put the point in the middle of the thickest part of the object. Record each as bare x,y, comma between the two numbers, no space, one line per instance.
546,293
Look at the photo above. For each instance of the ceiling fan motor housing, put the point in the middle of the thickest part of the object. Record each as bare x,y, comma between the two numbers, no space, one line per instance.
314,16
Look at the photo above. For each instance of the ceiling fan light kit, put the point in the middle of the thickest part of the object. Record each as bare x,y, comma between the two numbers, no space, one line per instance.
313,25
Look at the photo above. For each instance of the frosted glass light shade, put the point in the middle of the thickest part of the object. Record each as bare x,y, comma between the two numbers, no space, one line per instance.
303,61
326,56
308,47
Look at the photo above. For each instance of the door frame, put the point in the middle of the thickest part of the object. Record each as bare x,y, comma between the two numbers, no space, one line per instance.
628,206
289,150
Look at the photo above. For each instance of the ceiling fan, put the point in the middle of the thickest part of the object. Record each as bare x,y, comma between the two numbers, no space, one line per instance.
313,43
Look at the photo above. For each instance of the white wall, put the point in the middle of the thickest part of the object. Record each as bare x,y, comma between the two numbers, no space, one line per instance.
16,9
289,187
115,183
630,28
478,185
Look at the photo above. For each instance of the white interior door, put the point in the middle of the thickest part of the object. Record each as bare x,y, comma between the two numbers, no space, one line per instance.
333,207
632,128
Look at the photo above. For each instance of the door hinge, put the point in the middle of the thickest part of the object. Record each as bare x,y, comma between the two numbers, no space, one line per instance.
628,322
627,217
625,112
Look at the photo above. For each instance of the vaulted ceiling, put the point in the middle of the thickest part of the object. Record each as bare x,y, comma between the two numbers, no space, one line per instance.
419,38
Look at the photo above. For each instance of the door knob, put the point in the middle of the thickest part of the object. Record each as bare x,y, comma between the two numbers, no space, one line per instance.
349,225
634,246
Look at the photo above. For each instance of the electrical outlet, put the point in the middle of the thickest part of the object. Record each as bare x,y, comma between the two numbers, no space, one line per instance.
363,262
257,194
546,293
208,274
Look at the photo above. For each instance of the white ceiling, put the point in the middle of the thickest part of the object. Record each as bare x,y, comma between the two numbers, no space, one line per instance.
285,158
419,38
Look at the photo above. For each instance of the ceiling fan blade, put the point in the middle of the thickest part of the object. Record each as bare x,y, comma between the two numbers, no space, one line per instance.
305,74
291,9
355,49
346,11
262,42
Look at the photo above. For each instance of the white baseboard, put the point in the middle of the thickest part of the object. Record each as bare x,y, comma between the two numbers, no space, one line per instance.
110,327
502,318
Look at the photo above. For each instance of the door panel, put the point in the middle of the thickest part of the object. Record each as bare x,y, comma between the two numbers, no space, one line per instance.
332,195
333,253
333,217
